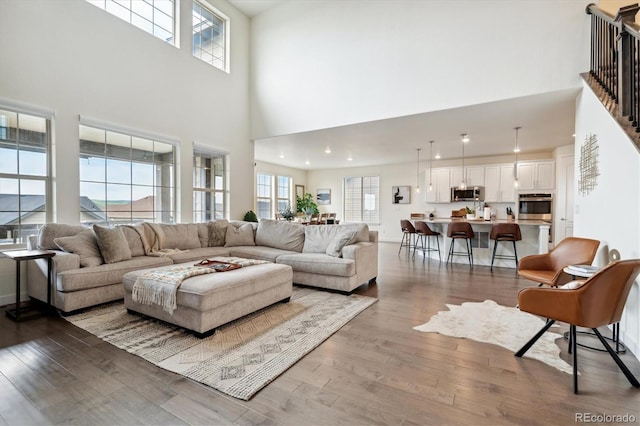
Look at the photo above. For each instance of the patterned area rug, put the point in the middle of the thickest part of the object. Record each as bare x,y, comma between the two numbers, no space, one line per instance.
241,357
504,326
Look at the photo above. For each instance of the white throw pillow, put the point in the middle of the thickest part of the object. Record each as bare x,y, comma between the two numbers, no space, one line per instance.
241,236
572,285
335,247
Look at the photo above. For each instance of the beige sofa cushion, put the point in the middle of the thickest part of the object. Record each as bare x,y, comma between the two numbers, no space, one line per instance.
269,254
318,238
113,244
339,241
280,234
217,231
239,236
84,244
182,236
319,263
133,239
50,231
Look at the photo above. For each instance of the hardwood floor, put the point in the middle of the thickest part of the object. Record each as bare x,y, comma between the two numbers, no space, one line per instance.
375,370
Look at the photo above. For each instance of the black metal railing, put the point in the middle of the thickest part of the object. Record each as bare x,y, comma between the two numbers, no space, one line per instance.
615,58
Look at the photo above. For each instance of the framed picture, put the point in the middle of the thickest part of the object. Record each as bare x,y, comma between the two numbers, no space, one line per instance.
323,196
300,191
401,194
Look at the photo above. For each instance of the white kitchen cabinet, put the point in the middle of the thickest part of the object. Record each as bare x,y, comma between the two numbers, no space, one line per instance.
498,183
475,176
441,181
536,175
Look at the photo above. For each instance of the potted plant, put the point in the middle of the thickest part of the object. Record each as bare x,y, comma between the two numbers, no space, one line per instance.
471,213
306,205
287,213
250,216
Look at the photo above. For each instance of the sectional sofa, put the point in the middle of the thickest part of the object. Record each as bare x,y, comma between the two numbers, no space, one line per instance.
90,263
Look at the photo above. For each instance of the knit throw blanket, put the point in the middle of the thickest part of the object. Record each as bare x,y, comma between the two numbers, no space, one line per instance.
160,287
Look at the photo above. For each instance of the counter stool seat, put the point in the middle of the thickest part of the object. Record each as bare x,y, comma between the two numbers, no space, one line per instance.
408,235
505,232
460,230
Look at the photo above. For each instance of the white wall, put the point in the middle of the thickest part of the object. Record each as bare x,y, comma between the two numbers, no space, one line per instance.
320,64
610,212
76,59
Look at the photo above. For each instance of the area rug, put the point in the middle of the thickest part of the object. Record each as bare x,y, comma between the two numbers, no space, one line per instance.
241,357
504,326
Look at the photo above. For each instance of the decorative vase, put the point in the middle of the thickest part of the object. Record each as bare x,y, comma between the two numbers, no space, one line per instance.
471,216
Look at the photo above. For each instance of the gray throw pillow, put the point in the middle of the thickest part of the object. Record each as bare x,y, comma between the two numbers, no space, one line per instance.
50,231
113,244
241,236
335,247
83,244
134,240
217,232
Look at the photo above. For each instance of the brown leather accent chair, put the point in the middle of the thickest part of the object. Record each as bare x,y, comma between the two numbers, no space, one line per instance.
457,231
547,268
599,301
424,232
505,232
408,235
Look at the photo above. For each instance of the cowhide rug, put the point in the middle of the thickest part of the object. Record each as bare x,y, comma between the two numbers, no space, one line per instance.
504,326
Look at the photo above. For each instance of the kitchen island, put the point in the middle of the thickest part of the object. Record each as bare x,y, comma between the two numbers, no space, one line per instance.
535,240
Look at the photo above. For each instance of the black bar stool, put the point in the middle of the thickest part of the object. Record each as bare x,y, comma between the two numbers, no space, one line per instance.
505,232
460,230
423,233
408,236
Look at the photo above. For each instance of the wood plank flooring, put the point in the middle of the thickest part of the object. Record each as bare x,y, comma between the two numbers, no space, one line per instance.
375,370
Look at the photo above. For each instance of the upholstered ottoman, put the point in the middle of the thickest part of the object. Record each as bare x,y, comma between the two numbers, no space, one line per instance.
205,302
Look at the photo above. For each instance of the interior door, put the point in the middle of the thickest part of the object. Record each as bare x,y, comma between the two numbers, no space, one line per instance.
564,199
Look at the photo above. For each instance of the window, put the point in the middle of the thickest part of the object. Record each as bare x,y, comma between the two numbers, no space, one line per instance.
125,178
209,186
24,175
284,193
362,199
209,39
156,17
264,191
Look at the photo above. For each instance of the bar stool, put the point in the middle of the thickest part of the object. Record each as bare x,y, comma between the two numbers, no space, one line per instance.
408,235
460,230
423,233
505,232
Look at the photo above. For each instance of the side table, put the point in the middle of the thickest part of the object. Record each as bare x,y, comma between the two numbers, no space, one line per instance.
615,338
18,256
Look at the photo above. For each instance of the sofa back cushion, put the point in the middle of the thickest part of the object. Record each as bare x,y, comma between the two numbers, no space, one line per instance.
317,238
280,234
239,236
182,236
85,245
217,232
50,231
132,234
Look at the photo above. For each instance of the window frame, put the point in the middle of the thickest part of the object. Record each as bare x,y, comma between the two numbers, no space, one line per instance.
117,132
21,109
198,214
261,198
196,52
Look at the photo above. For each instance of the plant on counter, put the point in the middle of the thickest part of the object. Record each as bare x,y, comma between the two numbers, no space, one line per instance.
287,213
470,210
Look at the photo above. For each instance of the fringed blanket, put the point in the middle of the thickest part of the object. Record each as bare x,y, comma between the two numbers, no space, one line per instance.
159,287
153,239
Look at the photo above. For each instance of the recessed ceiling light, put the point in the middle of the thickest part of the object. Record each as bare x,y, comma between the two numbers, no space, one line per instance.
516,149
327,151
307,162
281,155
349,159
437,157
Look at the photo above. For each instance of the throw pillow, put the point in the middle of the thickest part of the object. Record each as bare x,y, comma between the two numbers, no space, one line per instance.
112,243
572,285
50,231
241,236
335,247
217,232
134,240
83,244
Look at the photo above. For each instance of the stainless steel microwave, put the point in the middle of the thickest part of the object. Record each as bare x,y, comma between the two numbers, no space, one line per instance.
475,193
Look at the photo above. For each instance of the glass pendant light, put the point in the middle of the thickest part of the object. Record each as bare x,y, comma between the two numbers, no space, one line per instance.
516,149
465,139
430,166
418,172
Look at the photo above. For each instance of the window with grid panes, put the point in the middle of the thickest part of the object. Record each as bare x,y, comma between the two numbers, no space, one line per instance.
284,194
264,191
209,186
209,36
362,199
24,175
125,178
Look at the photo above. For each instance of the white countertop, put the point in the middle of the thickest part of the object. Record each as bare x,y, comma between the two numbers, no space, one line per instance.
521,222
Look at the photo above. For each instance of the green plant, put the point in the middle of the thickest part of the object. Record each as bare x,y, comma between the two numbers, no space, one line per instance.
306,205
250,216
470,210
287,213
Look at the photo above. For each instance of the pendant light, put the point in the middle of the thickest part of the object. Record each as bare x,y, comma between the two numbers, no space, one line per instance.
516,149
418,172
465,139
430,165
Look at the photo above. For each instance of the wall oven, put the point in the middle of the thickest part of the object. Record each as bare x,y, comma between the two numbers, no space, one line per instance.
535,206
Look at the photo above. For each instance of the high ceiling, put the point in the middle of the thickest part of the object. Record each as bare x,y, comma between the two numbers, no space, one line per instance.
546,121
252,8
